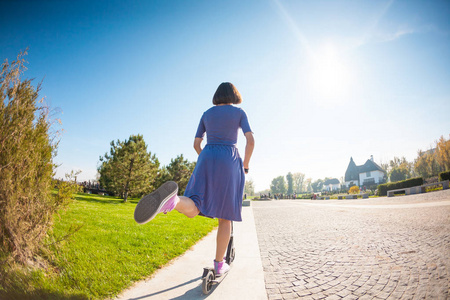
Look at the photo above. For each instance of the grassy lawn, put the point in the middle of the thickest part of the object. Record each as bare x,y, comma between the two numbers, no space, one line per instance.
110,251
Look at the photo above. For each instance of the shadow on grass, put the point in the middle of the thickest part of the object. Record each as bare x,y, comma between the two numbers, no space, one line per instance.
40,294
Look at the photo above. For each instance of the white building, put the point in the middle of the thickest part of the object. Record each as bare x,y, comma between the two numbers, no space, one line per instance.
331,185
368,174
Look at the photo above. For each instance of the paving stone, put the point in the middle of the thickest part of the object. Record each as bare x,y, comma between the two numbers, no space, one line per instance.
286,290
333,297
365,297
290,296
303,293
318,296
344,293
274,297
299,282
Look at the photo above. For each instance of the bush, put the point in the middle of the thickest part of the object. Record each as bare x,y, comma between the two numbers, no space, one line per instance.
383,188
354,190
444,176
26,163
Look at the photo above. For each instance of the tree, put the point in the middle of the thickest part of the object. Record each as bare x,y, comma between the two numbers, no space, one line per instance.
278,185
398,174
309,188
443,153
27,148
430,163
400,169
290,183
128,169
249,188
317,185
298,182
180,171
421,165
426,164
385,167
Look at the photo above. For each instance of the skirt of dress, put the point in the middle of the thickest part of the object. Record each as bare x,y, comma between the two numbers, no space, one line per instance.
217,183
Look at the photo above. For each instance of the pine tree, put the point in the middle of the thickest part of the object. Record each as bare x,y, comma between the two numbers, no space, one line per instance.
180,171
290,183
128,169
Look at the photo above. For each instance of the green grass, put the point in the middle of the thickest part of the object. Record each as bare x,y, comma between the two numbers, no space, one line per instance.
110,251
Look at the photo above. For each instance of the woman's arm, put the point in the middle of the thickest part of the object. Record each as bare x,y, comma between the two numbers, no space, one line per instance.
198,145
248,148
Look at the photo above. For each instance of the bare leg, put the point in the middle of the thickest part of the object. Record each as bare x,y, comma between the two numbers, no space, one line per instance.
187,207
223,237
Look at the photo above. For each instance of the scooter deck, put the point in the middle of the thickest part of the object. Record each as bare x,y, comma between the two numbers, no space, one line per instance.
217,279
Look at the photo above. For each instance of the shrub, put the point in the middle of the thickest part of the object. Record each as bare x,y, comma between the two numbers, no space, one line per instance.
354,190
444,176
26,164
383,188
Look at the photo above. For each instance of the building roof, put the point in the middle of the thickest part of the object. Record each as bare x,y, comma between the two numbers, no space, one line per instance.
353,170
331,181
369,166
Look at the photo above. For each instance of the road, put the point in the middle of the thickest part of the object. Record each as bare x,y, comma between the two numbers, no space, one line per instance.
381,248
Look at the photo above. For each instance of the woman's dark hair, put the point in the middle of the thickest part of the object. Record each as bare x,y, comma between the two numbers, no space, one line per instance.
227,93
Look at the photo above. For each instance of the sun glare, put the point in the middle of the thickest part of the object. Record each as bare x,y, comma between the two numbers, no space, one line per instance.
331,77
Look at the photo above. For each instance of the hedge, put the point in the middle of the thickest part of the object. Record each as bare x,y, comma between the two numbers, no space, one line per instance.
383,188
444,176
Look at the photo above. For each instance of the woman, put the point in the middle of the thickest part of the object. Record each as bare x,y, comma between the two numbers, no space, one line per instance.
216,186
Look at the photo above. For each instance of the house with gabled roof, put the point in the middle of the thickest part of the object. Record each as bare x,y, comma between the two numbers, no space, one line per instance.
331,185
365,175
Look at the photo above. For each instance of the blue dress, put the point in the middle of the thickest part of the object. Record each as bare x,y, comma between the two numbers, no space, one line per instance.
217,183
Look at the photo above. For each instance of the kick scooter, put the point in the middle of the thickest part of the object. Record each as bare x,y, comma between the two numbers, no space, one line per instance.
209,277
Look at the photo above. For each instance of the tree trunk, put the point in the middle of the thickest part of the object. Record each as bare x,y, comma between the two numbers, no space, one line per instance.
128,181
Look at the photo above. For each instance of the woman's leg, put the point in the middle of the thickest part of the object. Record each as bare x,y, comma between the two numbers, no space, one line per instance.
187,207
223,238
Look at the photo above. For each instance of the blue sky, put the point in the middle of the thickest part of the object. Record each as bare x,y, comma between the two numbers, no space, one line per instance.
322,81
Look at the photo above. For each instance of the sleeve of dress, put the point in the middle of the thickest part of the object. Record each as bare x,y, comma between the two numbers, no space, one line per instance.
244,123
201,129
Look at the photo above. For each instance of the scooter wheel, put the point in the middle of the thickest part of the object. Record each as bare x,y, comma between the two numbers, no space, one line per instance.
207,282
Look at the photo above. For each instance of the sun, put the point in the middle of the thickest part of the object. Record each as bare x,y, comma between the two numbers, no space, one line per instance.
331,76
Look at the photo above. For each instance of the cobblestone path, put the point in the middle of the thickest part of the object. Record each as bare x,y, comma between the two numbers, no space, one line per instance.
385,248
